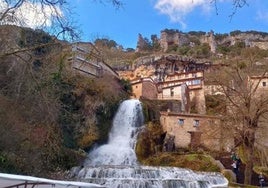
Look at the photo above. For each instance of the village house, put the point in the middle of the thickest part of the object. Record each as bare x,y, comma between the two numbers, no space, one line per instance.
261,82
86,59
186,87
149,89
194,80
144,87
195,130
182,82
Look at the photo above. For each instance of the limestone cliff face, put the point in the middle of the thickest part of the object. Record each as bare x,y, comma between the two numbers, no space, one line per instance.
140,72
174,38
210,39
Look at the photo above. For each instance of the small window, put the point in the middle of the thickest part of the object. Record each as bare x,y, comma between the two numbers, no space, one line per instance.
196,123
196,82
181,121
171,92
263,84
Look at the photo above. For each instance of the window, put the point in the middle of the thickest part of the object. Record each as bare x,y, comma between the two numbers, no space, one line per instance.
196,82
181,121
196,123
171,92
263,84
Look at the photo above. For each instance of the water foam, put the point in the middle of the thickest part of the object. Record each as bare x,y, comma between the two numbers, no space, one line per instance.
115,165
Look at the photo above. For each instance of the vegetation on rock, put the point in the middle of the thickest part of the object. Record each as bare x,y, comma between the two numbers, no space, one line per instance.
48,113
198,162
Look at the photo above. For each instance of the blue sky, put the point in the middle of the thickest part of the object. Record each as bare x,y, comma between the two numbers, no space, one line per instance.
147,17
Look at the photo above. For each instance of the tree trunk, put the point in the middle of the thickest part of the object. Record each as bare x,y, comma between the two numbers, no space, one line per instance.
249,165
249,155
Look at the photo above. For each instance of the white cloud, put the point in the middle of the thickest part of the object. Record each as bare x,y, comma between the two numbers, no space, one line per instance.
30,14
178,9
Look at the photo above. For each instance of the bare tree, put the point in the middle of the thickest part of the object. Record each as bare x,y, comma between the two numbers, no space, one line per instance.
236,5
23,50
49,15
247,105
54,16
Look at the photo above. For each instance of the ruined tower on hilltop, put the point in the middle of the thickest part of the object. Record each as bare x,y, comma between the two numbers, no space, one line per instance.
171,37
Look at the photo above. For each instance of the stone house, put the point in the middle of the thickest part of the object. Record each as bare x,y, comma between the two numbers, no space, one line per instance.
176,92
150,89
261,82
181,82
186,87
144,87
195,130
86,59
194,81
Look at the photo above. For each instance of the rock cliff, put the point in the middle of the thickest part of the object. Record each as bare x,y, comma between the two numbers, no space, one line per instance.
174,38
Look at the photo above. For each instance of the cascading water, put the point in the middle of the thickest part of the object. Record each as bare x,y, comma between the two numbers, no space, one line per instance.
121,143
114,165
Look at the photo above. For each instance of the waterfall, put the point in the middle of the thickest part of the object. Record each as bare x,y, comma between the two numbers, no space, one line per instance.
114,165
121,143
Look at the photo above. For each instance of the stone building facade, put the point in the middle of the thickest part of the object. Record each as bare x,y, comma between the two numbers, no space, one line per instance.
194,80
261,82
144,87
86,59
176,78
195,130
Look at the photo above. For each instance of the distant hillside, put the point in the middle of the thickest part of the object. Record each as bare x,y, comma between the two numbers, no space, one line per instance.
171,39
194,44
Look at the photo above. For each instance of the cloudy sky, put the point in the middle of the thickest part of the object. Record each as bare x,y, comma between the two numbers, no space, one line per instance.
149,17
28,14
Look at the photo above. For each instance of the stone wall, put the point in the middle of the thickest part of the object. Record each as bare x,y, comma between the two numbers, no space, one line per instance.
137,89
87,60
144,87
149,89
184,127
197,97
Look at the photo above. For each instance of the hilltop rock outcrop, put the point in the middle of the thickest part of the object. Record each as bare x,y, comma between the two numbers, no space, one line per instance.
170,38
